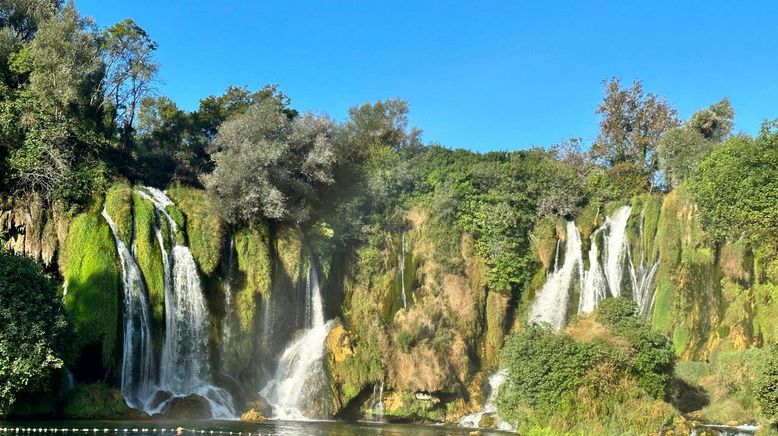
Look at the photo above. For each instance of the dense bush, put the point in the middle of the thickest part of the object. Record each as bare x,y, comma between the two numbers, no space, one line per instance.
34,331
548,374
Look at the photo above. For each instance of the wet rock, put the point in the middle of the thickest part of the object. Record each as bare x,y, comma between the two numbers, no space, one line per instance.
260,404
159,398
190,407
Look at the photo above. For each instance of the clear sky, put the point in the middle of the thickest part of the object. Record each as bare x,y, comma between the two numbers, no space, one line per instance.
483,75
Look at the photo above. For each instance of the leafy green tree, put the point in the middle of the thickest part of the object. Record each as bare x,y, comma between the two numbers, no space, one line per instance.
736,189
130,72
682,149
631,124
34,332
65,67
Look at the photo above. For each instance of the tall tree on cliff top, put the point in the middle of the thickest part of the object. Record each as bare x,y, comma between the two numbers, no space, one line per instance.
130,72
631,125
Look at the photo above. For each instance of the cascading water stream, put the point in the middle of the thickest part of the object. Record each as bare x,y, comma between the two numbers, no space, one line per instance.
137,372
550,306
615,240
473,420
184,364
642,274
593,288
301,361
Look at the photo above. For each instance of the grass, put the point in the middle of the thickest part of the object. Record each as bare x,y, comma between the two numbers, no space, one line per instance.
90,265
205,229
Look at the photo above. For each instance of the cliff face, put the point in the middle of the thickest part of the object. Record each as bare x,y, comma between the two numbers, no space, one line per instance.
417,330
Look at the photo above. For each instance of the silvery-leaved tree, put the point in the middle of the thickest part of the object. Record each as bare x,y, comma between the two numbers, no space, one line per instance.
268,165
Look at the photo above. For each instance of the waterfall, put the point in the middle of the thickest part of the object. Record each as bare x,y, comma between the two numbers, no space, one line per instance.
615,241
229,298
184,364
550,306
293,383
377,408
137,371
642,274
473,420
593,288
401,261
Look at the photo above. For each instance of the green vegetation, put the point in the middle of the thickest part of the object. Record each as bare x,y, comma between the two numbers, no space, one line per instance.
148,254
95,401
93,285
204,228
118,205
586,378
34,331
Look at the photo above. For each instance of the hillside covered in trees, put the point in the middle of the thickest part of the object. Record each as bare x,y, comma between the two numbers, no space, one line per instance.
247,257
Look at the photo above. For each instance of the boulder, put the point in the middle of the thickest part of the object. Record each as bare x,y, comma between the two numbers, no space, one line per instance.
190,407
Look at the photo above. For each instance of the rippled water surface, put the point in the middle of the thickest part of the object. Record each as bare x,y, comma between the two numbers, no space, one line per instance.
226,428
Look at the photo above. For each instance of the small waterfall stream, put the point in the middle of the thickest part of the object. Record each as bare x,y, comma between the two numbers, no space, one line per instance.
473,420
550,305
137,372
301,362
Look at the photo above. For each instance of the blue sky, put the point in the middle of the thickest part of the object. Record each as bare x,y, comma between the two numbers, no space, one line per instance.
482,75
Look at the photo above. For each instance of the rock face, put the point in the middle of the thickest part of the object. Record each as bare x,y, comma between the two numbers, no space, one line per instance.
190,407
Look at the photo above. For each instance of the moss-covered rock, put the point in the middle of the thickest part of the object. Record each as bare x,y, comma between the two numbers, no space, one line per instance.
98,401
148,253
90,266
205,229
290,252
119,206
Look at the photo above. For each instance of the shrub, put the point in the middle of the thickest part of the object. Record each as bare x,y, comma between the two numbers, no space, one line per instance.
34,332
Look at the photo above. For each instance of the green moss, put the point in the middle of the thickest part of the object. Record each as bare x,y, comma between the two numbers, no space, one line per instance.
93,278
118,204
290,252
662,317
253,255
149,256
204,228
95,401
680,338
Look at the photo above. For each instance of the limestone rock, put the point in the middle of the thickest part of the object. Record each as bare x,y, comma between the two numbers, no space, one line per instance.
253,415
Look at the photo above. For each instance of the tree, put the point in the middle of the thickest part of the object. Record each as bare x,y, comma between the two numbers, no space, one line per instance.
130,71
682,149
632,122
267,165
736,189
65,67
34,332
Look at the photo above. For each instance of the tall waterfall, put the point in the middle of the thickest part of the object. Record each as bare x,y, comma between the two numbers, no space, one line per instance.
137,372
642,273
550,306
616,248
294,382
184,364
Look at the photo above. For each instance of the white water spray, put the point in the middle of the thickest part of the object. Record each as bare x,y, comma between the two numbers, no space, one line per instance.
300,361
473,420
550,306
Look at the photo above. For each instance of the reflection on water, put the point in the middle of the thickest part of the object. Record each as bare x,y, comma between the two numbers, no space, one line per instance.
226,428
